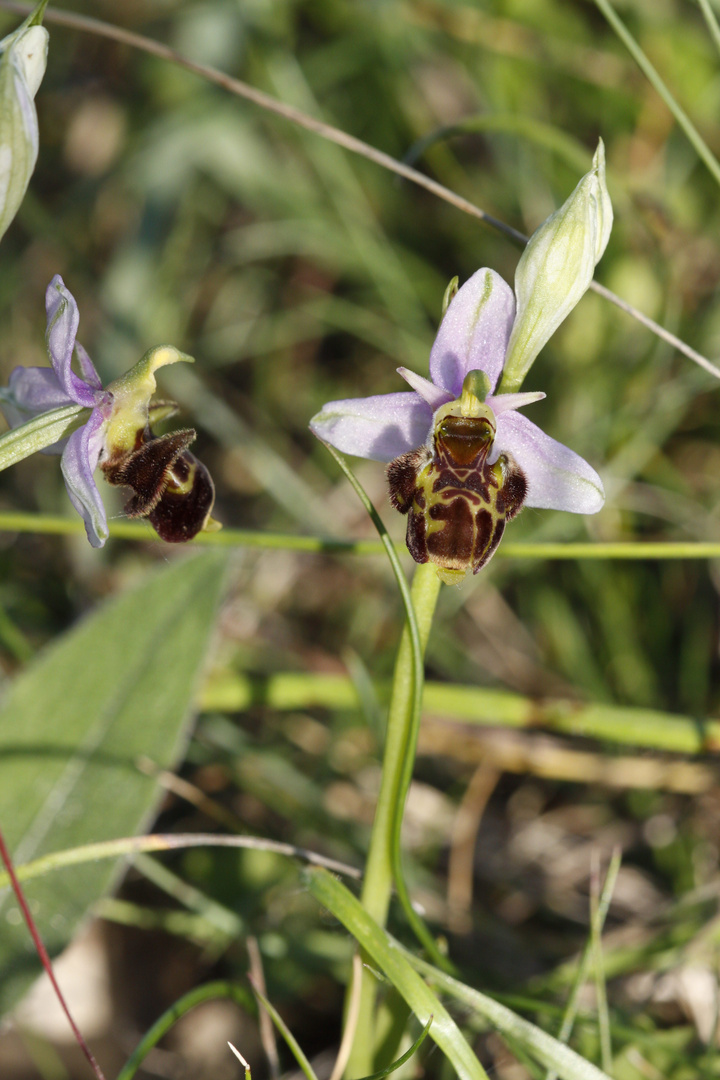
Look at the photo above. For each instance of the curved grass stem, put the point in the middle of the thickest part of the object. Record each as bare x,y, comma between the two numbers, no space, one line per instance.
208,992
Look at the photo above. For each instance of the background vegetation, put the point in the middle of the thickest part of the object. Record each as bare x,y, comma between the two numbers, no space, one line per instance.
296,273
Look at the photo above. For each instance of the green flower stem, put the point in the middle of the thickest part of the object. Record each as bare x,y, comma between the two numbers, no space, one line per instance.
398,760
42,431
413,670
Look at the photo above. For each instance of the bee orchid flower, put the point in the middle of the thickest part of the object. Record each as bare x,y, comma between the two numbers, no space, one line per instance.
172,489
462,459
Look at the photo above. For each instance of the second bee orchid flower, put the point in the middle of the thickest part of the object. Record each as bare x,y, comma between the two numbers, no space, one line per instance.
173,490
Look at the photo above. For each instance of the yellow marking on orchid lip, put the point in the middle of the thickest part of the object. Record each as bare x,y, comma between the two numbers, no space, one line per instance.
450,577
132,393
425,483
183,487
498,471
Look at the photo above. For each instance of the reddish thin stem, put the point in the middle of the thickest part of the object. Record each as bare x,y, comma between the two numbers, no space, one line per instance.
44,958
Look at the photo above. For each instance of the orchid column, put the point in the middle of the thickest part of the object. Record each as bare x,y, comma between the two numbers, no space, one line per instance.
463,461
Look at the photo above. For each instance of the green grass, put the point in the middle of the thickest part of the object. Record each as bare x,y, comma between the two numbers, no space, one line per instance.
296,272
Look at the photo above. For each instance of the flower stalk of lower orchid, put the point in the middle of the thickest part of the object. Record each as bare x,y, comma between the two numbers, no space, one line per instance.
462,459
56,409
23,56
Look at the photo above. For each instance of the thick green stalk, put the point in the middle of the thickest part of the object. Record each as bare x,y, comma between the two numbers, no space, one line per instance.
377,884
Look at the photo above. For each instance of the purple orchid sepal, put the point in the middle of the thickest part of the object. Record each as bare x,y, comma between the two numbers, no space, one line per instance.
473,336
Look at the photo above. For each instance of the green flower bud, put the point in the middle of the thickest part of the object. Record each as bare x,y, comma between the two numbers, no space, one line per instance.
556,269
23,55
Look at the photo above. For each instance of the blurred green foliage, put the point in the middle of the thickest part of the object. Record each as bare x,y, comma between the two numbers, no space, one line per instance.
296,273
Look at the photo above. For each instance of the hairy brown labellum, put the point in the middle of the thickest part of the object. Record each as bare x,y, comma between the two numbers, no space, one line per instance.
173,490
457,504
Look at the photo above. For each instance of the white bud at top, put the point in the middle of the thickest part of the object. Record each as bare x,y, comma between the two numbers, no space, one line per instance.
23,56
29,54
556,268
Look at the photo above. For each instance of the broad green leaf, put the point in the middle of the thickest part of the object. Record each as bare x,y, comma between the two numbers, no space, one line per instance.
120,685
384,952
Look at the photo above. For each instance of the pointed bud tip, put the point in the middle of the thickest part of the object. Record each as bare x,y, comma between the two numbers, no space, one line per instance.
29,55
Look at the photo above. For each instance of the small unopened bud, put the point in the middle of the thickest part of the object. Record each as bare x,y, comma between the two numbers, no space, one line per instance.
556,269
23,56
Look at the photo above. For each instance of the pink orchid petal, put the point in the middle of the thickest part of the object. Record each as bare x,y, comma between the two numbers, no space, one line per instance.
31,391
380,427
62,323
557,477
87,368
434,395
79,461
500,403
474,333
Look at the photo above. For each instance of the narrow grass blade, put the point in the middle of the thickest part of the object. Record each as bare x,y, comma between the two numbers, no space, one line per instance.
584,967
542,1047
406,1056
388,956
209,992
652,75
549,137
292,1043
711,20
596,925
